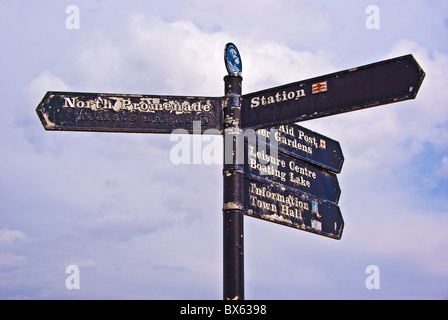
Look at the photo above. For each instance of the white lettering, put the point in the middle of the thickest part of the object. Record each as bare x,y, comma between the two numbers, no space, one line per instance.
291,95
71,103
373,280
302,170
143,105
197,310
300,93
72,21
73,280
373,20
288,204
255,102
277,97
180,153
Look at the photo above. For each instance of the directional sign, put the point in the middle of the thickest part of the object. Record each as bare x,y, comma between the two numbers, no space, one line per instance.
289,173
273,166
367,86
292,208
129,113
305,144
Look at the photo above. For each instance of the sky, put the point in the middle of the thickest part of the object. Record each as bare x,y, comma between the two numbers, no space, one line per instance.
138,226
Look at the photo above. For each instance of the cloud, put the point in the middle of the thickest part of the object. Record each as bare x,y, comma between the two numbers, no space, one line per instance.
38,86
9,237
382,139
9,261
269,64
25,116
282,21
100,200
178,58
391,227
124,225
443,171
82,263
148,55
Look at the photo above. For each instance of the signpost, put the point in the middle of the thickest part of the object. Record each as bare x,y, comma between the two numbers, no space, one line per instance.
289,173
371,85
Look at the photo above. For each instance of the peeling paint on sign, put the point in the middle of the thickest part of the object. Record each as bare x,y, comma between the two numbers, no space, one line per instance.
128,113
292,208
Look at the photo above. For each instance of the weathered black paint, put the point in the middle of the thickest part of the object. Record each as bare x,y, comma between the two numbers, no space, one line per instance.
371,85
322,183
233,195
270,204
305,144
107,113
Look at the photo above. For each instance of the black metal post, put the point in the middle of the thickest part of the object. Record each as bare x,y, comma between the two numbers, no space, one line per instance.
233,206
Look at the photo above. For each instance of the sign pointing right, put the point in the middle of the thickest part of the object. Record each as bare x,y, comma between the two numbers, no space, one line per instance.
305,144
371,85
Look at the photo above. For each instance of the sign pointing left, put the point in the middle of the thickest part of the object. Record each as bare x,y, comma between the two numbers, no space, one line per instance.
71,111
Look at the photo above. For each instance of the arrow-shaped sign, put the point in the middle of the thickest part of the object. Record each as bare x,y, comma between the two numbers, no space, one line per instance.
292,208
275,166
367,86
71,111
371,85
304,144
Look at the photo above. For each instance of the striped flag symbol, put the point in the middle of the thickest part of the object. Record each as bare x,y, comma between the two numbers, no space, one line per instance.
319,87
